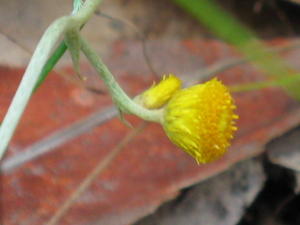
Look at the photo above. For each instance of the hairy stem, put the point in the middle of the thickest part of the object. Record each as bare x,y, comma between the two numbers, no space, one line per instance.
29,80
35,67
124,102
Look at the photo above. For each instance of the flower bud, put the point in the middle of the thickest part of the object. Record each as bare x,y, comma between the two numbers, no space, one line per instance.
158,95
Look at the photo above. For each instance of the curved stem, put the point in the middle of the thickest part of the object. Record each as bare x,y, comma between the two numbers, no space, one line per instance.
87,10
29,80
37,62
124,102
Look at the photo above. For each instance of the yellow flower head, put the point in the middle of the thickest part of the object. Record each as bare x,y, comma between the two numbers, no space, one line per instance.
201,120
158,95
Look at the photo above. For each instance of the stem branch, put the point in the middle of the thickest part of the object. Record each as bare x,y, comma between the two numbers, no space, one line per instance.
34,69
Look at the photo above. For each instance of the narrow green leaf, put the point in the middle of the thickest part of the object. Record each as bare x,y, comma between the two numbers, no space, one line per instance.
226,27
51,62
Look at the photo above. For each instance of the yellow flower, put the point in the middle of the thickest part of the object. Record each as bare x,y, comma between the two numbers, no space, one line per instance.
201,120
158,95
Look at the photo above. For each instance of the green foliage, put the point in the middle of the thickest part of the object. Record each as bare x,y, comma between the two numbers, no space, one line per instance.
226,27
218,20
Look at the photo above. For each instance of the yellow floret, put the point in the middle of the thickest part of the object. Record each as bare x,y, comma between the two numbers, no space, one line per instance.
158,95
201,120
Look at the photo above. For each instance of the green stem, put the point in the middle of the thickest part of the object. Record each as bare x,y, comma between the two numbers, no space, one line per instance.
28,82
124,102
35,67
85,13
58,53
77,4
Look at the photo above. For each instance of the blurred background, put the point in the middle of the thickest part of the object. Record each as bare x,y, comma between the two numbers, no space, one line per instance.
72,161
